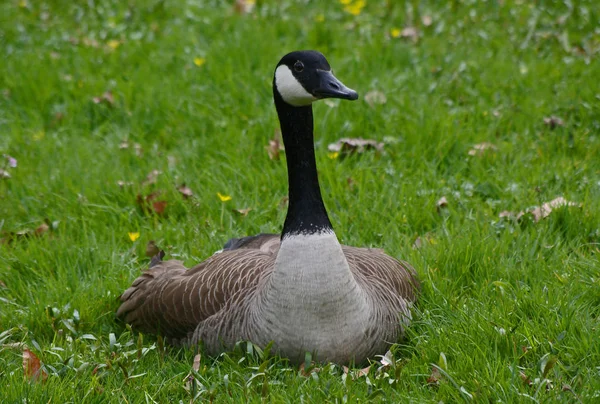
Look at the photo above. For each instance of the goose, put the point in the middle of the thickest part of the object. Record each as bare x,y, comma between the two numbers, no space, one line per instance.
301,290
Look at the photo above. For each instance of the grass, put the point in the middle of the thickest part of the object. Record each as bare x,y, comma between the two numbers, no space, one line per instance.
510,308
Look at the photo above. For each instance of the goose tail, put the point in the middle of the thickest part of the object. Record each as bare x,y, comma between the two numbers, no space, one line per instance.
141,303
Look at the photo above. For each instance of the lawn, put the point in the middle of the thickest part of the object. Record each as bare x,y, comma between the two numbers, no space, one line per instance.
126,122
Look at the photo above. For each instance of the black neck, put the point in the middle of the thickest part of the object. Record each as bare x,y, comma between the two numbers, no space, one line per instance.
306,212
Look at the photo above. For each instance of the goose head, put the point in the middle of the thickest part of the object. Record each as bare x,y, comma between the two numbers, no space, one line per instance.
303,77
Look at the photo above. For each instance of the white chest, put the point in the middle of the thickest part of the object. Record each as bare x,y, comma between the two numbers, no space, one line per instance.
312,301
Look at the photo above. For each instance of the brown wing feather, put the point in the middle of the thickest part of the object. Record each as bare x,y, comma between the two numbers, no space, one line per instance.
172,301
378,272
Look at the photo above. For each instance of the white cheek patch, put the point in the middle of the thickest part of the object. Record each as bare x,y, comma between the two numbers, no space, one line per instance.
290,89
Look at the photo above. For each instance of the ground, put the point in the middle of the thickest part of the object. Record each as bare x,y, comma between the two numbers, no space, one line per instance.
126,122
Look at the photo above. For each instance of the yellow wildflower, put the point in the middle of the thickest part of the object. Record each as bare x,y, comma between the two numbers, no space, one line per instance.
333,155
113,44
223,198
133,235
355,8
395,32
199,61
345,2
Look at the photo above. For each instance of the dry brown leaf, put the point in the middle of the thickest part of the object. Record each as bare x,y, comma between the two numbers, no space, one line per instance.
435,376
553,121
480,148
244,6
542,212
375,97
159,207
311,369
149,203
106,98
152,249
41,229
190,380
196,364
32,367
347,146
273,148
185,191
357,373
243,212
441,203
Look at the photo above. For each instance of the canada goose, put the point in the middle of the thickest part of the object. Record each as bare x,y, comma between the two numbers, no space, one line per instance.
301,289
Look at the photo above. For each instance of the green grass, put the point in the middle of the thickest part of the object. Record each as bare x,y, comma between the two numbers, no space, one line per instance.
500,297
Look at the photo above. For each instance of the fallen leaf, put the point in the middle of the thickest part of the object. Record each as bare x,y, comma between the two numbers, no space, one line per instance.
185,191
190,380
542,212
386,360
106,98
357,373
151,177
244,6
196,364
2,284
41,229
149,204
553,121
243,212
375,97
32,367
347,146
435,376
480,148
441,203
159,207
311,369
274,147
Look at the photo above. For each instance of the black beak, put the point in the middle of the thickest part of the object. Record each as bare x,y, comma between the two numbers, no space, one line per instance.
331,87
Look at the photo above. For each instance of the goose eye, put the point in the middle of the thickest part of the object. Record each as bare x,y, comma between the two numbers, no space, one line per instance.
298,66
